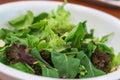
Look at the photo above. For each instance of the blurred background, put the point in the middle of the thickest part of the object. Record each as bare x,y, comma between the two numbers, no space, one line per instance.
109,6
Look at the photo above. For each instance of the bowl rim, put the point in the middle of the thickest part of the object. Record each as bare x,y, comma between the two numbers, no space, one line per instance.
7,70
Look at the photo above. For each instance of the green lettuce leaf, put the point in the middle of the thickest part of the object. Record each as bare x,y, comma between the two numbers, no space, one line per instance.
53,39
32,41
115,62
59,20
23,21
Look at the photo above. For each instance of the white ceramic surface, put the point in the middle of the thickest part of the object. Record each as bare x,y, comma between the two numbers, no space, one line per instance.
100,21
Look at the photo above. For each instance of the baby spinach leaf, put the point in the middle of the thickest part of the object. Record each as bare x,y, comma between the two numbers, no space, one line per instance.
91,70
23,67
76,35
67,66
49,72
36,54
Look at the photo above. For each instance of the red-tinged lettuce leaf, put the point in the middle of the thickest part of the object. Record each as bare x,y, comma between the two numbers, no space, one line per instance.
18,53
101,60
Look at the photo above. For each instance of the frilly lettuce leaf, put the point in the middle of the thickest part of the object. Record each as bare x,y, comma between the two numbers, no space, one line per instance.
59,20
53,39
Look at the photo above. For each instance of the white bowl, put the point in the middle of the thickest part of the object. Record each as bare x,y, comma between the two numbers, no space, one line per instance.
103,23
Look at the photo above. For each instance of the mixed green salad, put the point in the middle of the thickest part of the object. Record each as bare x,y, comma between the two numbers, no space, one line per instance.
50,45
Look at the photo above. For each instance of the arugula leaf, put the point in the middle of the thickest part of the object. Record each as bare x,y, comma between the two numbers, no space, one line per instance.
49,72
23,67
105,38
22,22
91,70
67,66
76,35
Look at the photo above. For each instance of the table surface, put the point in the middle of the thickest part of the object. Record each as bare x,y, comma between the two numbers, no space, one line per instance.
113,11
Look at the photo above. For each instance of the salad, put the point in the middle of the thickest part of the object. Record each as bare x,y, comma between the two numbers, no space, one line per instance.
50,45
